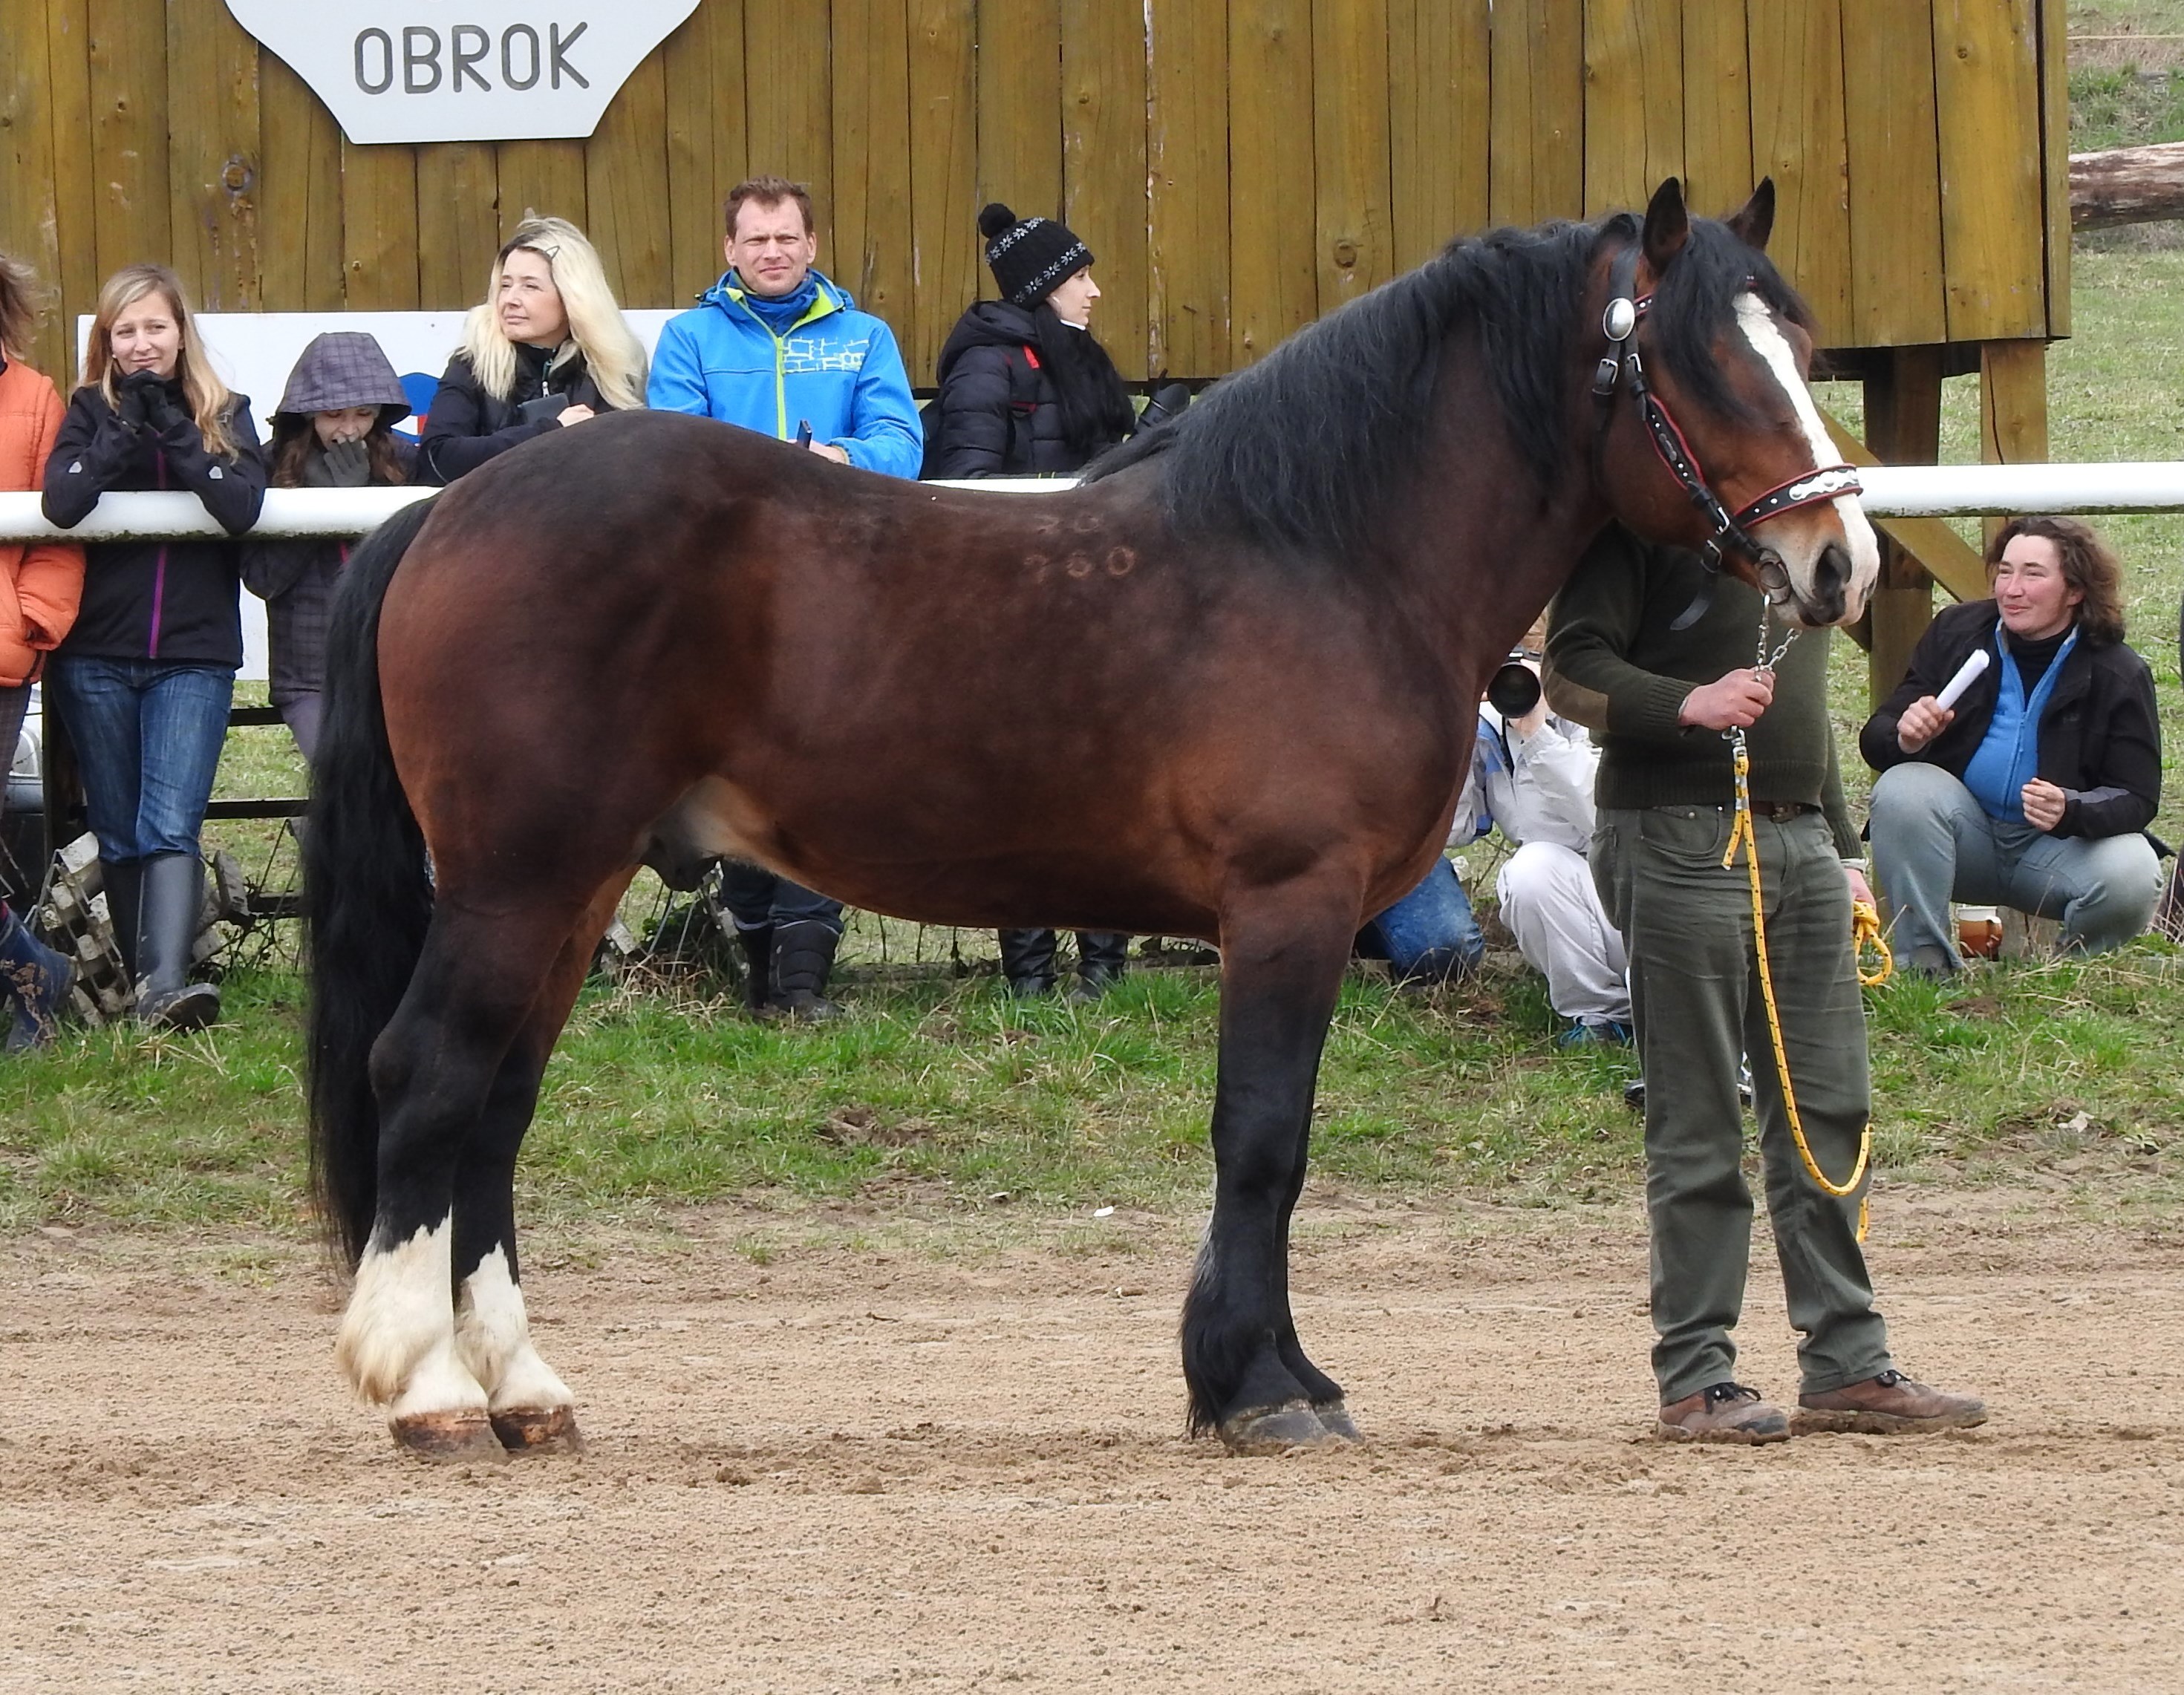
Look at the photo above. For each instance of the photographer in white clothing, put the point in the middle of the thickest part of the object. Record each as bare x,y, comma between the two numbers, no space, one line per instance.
1531,776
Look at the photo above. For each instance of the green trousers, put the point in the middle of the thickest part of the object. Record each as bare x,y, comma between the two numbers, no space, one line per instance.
1694,991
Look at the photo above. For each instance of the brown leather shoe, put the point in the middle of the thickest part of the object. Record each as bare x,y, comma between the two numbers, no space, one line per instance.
1722,1412
1891,1404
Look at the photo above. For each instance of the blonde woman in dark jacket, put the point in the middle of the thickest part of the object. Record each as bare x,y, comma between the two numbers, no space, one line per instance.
547,349
144,681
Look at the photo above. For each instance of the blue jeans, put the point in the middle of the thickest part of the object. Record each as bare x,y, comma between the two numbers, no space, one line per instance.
1933,843
148,736
1429,935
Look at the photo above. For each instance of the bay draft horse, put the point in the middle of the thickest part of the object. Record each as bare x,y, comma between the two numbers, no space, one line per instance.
1225,689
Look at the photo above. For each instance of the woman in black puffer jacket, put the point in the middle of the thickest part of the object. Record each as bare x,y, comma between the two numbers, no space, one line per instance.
1027,390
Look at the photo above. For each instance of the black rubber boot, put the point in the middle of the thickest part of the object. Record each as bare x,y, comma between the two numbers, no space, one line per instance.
1102,956
1028,961
35,979
803,955
757,971
172,902
122,879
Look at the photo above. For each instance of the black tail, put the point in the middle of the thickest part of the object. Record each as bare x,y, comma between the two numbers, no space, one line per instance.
367,893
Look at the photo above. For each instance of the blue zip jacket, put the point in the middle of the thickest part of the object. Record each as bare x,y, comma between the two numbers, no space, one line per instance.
837,368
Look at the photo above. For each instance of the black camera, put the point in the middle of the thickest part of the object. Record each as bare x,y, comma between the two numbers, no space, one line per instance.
1515,688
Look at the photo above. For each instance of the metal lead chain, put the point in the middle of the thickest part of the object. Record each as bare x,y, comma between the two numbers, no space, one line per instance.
1766,661
1762,661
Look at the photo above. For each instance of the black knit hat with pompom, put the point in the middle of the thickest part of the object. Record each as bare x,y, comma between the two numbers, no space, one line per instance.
1030,257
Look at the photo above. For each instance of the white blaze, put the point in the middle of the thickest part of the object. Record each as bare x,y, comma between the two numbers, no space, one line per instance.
1767,340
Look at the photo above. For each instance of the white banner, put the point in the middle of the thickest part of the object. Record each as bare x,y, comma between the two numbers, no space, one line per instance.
254,353
464,70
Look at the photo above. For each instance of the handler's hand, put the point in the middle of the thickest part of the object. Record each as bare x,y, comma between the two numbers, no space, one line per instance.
1861,891
573,415
1924,720
1733,703
2043,804
827,450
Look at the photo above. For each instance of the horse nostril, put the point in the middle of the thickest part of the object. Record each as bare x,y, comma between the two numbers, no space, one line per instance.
1831,574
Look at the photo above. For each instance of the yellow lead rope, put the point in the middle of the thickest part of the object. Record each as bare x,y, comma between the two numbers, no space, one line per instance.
1865,931
1741,835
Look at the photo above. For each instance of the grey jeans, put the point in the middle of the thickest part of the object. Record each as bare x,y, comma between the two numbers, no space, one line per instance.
1933,843
1694,987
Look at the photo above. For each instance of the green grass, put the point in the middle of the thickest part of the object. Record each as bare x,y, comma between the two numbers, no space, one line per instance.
945,1095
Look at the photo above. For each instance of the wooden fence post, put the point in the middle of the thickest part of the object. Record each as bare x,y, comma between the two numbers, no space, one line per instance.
2013,410
1902,427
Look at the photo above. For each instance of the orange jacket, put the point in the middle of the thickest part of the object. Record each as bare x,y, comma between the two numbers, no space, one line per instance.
40,581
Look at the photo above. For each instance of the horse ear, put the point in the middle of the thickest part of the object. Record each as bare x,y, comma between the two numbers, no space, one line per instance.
1756,222
1668,227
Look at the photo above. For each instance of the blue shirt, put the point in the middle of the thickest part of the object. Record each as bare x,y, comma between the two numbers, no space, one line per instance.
2008,757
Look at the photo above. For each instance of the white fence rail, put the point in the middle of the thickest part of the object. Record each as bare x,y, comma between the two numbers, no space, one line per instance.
1890,491
288,512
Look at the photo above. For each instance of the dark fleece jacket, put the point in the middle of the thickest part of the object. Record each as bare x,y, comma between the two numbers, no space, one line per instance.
467,426
174,601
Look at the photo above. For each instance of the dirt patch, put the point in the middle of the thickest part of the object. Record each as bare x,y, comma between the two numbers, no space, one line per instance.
951,1466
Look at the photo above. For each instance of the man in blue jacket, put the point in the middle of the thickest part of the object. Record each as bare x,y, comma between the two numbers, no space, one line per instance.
777,347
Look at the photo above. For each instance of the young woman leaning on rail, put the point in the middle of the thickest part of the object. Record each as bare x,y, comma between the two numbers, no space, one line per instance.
143,682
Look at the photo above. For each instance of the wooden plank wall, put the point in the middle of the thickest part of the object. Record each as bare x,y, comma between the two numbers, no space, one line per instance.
1239,166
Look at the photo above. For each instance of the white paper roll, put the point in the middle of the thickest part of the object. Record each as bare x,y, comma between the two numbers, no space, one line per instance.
1968,673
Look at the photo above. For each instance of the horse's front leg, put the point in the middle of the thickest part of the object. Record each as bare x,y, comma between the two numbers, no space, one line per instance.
1281,958
530,1407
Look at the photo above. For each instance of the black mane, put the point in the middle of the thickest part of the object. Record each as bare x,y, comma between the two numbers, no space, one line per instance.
1300,452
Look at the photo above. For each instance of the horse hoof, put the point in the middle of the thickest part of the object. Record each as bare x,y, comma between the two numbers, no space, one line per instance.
1275,1430
538,1430
448,1436
1335,1417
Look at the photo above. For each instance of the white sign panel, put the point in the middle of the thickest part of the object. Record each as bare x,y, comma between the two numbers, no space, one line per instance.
254,353
463,70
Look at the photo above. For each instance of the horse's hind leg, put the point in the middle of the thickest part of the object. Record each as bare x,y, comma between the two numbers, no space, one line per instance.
1282,958
531,1408
433,1070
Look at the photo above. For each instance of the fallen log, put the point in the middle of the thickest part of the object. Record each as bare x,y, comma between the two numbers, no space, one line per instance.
2127,186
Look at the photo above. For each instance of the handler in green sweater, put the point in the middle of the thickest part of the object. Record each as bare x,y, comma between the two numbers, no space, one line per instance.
1658,700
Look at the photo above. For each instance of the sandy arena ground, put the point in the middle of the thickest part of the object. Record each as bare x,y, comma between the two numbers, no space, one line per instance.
939,1465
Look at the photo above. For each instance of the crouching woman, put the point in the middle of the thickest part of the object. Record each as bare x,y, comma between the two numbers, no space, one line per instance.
2035,789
